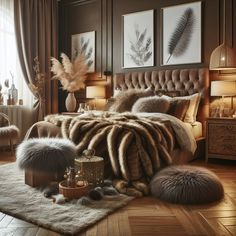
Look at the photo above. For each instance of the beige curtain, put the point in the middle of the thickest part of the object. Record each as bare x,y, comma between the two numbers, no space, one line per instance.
36,27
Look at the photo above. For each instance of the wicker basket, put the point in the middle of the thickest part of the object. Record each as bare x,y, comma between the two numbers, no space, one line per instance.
73,192
91,170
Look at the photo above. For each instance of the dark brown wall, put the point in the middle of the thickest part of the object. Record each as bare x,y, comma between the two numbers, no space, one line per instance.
105,17
210,27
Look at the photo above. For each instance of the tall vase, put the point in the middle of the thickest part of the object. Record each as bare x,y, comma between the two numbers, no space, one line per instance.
70,102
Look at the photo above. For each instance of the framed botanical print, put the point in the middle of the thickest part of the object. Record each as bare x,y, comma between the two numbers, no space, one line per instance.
138,34
84,43
181,34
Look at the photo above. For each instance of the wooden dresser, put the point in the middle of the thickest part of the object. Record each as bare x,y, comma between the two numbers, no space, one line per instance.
221,138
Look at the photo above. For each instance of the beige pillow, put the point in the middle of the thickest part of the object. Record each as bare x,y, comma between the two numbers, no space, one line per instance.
191,113
151,104
125,100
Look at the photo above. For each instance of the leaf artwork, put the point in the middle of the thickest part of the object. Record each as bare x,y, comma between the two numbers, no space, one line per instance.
86,51
181,37
140,47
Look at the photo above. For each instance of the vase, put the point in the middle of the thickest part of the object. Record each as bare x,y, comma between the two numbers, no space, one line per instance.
70,102
13,93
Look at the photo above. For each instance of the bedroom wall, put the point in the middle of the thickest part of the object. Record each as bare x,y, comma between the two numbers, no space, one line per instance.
105,17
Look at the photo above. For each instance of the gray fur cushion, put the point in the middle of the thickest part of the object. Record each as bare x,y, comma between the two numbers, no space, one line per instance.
125,100
46,154
9,132
186,184
151,104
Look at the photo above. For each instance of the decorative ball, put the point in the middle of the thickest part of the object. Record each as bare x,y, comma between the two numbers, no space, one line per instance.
95,194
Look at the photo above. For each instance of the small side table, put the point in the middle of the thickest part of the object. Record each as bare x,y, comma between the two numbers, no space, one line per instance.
91,170
221,138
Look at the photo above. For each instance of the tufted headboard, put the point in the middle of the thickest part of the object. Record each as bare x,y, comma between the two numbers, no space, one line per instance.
187,81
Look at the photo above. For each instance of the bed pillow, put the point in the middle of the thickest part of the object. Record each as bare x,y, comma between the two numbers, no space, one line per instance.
172,93
125,100
191,113
178,108
151,104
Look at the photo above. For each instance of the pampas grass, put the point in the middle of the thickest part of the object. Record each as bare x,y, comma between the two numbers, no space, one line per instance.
71,75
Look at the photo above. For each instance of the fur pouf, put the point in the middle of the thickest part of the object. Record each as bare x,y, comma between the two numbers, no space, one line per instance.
9,132
187,185
46,154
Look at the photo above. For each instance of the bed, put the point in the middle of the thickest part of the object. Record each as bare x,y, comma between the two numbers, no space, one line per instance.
142,136
187,81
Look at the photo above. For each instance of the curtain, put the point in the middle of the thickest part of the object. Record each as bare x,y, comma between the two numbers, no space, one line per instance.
9,61
36,27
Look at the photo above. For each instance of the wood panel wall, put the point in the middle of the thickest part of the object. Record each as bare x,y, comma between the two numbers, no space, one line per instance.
105,17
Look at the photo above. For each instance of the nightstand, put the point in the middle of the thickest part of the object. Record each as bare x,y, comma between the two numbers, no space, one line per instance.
221,138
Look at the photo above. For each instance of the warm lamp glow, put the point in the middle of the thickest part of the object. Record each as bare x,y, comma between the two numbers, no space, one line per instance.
95,92
223,88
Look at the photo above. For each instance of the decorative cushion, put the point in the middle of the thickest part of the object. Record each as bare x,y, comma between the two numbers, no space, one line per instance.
9,132
178,108
172,93
125,100
151,104
187,185
46,154
191,113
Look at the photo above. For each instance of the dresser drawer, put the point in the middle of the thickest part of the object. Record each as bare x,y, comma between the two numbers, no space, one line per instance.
222,138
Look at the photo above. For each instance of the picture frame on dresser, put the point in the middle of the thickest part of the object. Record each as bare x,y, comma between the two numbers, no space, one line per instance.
181,37
138,39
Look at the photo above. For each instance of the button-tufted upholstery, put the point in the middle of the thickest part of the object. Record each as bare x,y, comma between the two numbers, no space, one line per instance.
187,81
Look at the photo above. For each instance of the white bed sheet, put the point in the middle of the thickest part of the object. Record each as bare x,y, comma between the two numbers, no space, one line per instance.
195,128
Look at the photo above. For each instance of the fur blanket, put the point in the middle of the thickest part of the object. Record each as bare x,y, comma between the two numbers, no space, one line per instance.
134,148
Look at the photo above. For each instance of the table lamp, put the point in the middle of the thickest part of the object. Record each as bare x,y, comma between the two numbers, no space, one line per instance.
223,89
96,92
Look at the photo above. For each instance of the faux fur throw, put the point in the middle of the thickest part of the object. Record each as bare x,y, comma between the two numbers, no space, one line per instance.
136,147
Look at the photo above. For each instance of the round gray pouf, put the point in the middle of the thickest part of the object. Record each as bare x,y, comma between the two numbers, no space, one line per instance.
46,154
187,185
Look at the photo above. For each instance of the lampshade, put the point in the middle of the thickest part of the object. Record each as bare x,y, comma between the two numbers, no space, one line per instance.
223,58
223,88
95,92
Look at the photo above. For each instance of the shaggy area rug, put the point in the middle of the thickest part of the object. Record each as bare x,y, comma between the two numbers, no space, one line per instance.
24,202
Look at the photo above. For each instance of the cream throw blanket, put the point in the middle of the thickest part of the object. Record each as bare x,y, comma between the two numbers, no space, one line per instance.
133,147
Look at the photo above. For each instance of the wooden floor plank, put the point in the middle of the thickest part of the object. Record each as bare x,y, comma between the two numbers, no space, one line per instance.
150,217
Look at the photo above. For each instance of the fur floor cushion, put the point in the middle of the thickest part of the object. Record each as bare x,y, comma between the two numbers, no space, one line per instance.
7,132
151,104
46,154
187,185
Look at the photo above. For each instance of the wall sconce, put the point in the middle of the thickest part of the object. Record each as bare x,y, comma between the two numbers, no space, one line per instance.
96,92
223,57
223,89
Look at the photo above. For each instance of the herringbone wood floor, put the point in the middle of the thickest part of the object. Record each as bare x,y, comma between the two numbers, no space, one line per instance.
148,216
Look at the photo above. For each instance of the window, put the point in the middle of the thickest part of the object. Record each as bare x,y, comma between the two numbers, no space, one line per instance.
9,62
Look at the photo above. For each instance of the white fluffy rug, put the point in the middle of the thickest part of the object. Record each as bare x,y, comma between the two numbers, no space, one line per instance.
27,203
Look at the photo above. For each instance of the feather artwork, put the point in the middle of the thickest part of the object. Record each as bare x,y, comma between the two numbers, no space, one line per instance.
140,47
71,75
181,36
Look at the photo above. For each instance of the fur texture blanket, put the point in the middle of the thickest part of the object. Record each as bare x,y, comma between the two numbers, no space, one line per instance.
133,148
